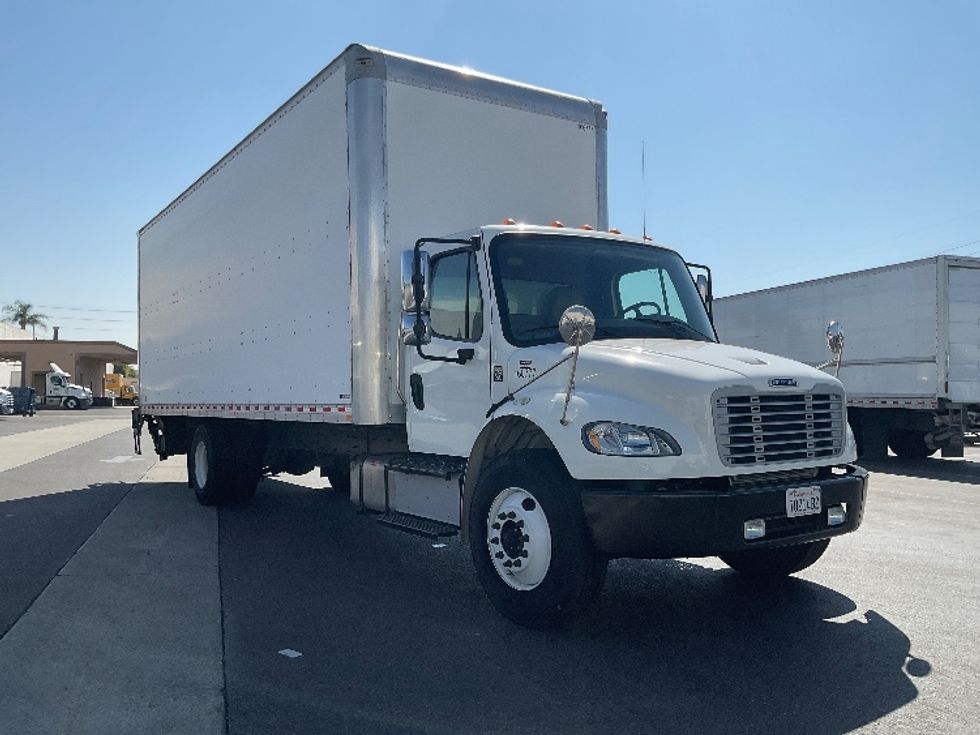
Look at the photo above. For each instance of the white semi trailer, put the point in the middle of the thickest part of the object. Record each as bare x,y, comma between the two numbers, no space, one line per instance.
911,361
447,381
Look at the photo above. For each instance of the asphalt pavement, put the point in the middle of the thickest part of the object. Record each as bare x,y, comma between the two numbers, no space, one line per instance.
126,607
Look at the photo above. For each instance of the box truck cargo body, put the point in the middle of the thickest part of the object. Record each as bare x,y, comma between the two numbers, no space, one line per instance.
556,396
911,362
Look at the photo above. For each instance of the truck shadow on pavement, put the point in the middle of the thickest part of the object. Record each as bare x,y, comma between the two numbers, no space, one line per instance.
39,534
932,468
397,637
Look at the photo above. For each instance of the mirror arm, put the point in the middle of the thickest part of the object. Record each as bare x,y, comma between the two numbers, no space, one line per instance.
510,396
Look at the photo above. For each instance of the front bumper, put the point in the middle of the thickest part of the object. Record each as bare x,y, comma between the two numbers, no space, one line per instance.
664,525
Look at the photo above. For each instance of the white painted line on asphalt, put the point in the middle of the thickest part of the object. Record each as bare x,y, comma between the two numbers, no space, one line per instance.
122,459
30,446
290,653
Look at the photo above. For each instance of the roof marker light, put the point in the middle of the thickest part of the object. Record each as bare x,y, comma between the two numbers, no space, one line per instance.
509,221
556,223
615,231
586,227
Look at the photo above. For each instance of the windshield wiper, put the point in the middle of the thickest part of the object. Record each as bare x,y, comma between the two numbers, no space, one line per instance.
673,321
554,328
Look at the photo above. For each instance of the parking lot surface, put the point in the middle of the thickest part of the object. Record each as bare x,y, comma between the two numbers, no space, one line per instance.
125,606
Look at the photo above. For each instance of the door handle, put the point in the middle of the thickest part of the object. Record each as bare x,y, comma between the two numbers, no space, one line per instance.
418,391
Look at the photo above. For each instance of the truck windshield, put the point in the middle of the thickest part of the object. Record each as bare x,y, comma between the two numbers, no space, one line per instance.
634,290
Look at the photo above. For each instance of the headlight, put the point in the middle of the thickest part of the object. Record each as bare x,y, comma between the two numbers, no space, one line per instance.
626,440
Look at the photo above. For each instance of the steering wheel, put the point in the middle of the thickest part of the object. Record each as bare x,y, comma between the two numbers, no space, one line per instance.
639,305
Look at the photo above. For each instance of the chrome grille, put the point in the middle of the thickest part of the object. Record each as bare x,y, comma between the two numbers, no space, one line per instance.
754,429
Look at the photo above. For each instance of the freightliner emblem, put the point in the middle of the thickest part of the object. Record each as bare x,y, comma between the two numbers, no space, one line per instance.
782,382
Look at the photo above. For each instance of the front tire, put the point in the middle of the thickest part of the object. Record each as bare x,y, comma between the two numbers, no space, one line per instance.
530,543
909,444
72,403
775,563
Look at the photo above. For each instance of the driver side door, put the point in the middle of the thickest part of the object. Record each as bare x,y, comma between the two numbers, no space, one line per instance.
447,401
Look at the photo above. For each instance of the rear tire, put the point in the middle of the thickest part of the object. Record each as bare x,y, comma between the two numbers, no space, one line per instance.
775,563
529,541
216,471
909,444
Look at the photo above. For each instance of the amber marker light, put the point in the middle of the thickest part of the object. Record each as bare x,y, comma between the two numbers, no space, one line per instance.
615,231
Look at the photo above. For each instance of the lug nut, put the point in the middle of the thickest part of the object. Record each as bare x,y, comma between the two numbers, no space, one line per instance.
502,516
499,555
525,538
495,526
512,514
520,524
508,563
495,540
517,562
524,554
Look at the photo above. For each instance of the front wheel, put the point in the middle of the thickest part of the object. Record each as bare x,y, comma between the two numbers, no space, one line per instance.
909,444
529,541
72,403
775,563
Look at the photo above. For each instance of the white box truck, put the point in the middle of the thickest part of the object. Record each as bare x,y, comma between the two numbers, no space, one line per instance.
439,369
911,362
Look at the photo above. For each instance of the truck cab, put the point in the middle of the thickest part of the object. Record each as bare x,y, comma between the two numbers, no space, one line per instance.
671,443
62,393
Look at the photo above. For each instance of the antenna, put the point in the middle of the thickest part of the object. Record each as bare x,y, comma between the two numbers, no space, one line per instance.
643,175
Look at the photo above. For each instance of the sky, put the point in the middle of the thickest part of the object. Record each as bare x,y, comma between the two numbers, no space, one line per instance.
784,140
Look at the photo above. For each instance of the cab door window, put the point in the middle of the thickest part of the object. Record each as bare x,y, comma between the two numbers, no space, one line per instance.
456,310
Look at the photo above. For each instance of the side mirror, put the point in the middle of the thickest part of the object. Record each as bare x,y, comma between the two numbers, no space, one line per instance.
835,337
408,290
577,325
408,330
703,288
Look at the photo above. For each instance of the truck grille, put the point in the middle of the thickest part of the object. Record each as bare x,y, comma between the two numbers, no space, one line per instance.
768,428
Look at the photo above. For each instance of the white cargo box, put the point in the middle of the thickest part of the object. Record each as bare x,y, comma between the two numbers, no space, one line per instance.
270,287
912,330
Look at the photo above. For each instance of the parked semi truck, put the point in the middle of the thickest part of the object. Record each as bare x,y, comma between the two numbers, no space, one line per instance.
60,392
554,396
911,361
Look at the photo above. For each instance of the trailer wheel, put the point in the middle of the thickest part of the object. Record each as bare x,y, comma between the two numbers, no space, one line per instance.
209,466
529,541
909,444
775,563
71,403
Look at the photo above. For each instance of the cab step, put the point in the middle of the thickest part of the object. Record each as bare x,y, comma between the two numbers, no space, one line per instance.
433,465
417,526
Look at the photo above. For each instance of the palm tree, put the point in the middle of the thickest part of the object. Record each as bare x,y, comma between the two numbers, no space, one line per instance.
23,315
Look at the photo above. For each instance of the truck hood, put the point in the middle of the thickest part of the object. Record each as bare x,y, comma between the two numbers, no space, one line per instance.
701,359
645,363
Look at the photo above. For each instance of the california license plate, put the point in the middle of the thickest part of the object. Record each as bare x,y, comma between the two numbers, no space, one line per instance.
802,501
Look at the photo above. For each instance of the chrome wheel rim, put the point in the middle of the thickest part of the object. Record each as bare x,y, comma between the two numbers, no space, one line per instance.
519,539
201,464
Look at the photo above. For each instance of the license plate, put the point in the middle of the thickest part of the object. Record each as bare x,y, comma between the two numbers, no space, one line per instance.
802,501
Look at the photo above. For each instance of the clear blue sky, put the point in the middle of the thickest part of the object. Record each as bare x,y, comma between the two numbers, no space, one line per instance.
784,140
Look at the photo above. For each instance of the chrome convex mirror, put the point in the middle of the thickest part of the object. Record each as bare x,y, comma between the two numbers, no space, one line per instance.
835,337
408,291
577,327
408,330
835,341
